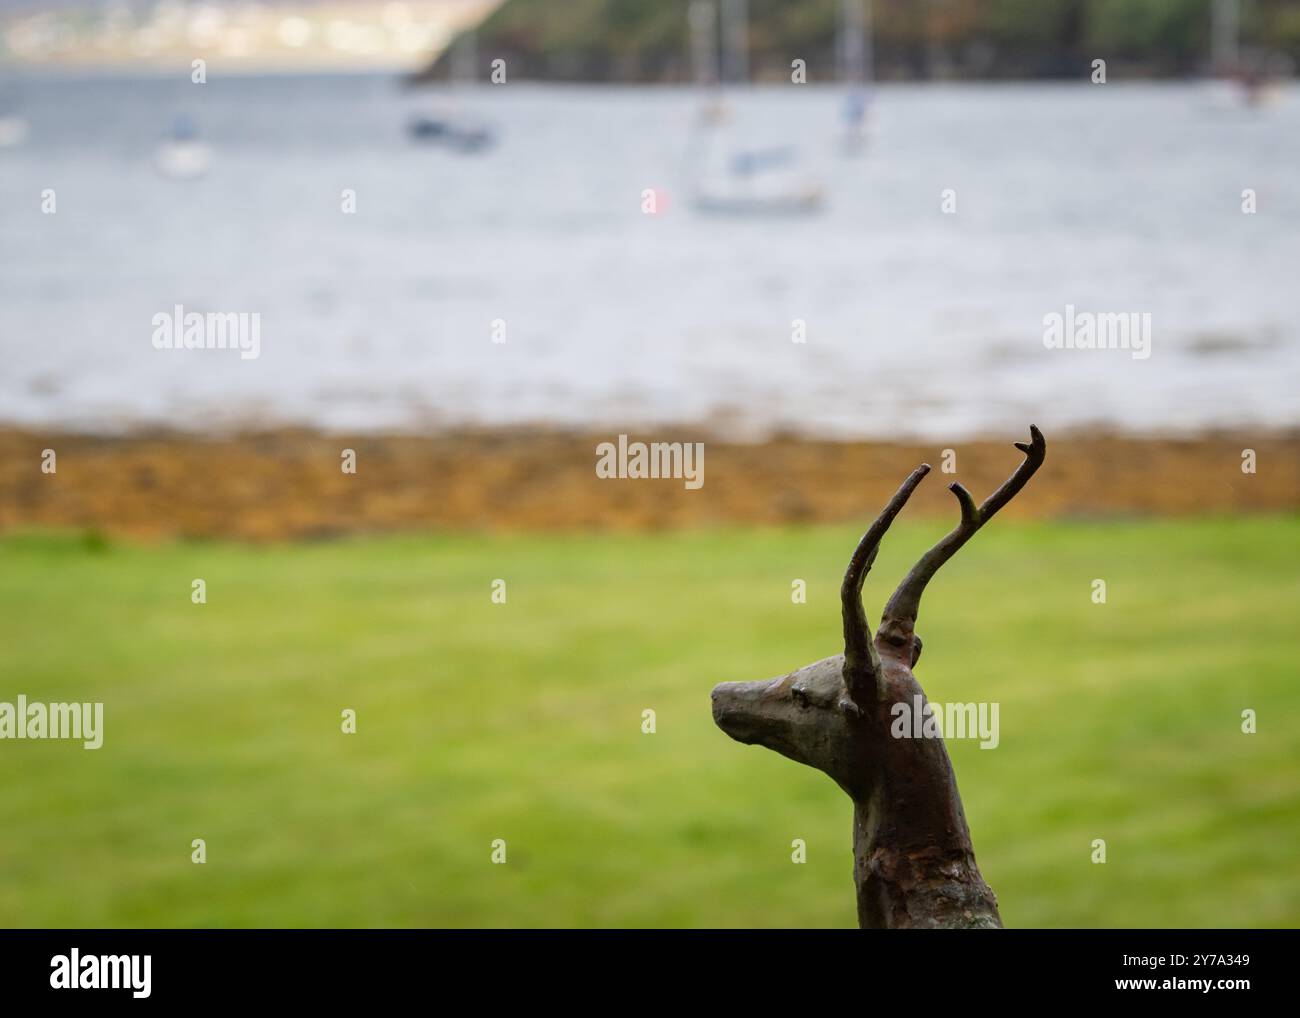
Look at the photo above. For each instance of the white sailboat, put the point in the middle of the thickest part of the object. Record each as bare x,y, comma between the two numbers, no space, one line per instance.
725,180
448,127
855,51
1238,80
13,130
13,126
758,182
182,154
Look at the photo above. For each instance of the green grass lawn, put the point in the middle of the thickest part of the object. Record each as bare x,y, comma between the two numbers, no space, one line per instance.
522,721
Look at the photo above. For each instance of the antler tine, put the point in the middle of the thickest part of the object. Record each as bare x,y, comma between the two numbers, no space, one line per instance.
906,602
861,663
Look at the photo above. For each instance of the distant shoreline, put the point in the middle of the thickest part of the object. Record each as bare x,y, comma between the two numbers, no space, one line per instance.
288,483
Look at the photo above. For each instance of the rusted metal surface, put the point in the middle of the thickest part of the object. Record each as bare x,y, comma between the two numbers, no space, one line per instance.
914,865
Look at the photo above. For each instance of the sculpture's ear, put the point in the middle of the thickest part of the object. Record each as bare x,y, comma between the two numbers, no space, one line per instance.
850,709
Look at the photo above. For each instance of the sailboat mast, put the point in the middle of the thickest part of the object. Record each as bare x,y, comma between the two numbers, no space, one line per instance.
464,59
1224,36
868,42
703,19
735,41
854,54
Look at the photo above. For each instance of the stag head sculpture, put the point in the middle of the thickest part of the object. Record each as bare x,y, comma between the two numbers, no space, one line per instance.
913,862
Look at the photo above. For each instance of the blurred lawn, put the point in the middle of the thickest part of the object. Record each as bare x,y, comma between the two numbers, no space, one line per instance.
523,721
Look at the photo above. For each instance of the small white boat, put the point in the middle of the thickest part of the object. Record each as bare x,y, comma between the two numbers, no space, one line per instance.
13,130
449,128
721,179
762,182
1251,78
855,47
457,134
182,155
13,126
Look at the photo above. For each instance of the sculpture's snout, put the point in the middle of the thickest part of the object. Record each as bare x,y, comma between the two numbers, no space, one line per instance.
745,710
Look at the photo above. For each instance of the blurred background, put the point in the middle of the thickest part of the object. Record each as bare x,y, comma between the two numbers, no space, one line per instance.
482,237
523,203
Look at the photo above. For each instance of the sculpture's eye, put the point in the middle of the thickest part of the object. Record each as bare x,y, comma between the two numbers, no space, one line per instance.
799,695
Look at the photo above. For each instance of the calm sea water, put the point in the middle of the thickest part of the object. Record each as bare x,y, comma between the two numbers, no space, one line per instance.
1111,198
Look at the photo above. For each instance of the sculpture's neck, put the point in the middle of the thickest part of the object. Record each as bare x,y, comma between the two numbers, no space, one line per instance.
911,882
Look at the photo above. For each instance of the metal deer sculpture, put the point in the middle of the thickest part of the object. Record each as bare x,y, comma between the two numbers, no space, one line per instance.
913,862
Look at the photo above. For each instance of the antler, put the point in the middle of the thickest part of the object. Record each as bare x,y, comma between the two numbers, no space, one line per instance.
905,603
861,663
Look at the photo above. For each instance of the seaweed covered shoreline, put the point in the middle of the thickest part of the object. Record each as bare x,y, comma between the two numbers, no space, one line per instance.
291,484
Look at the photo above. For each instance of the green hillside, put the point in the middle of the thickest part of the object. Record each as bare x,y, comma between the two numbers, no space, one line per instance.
646,40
